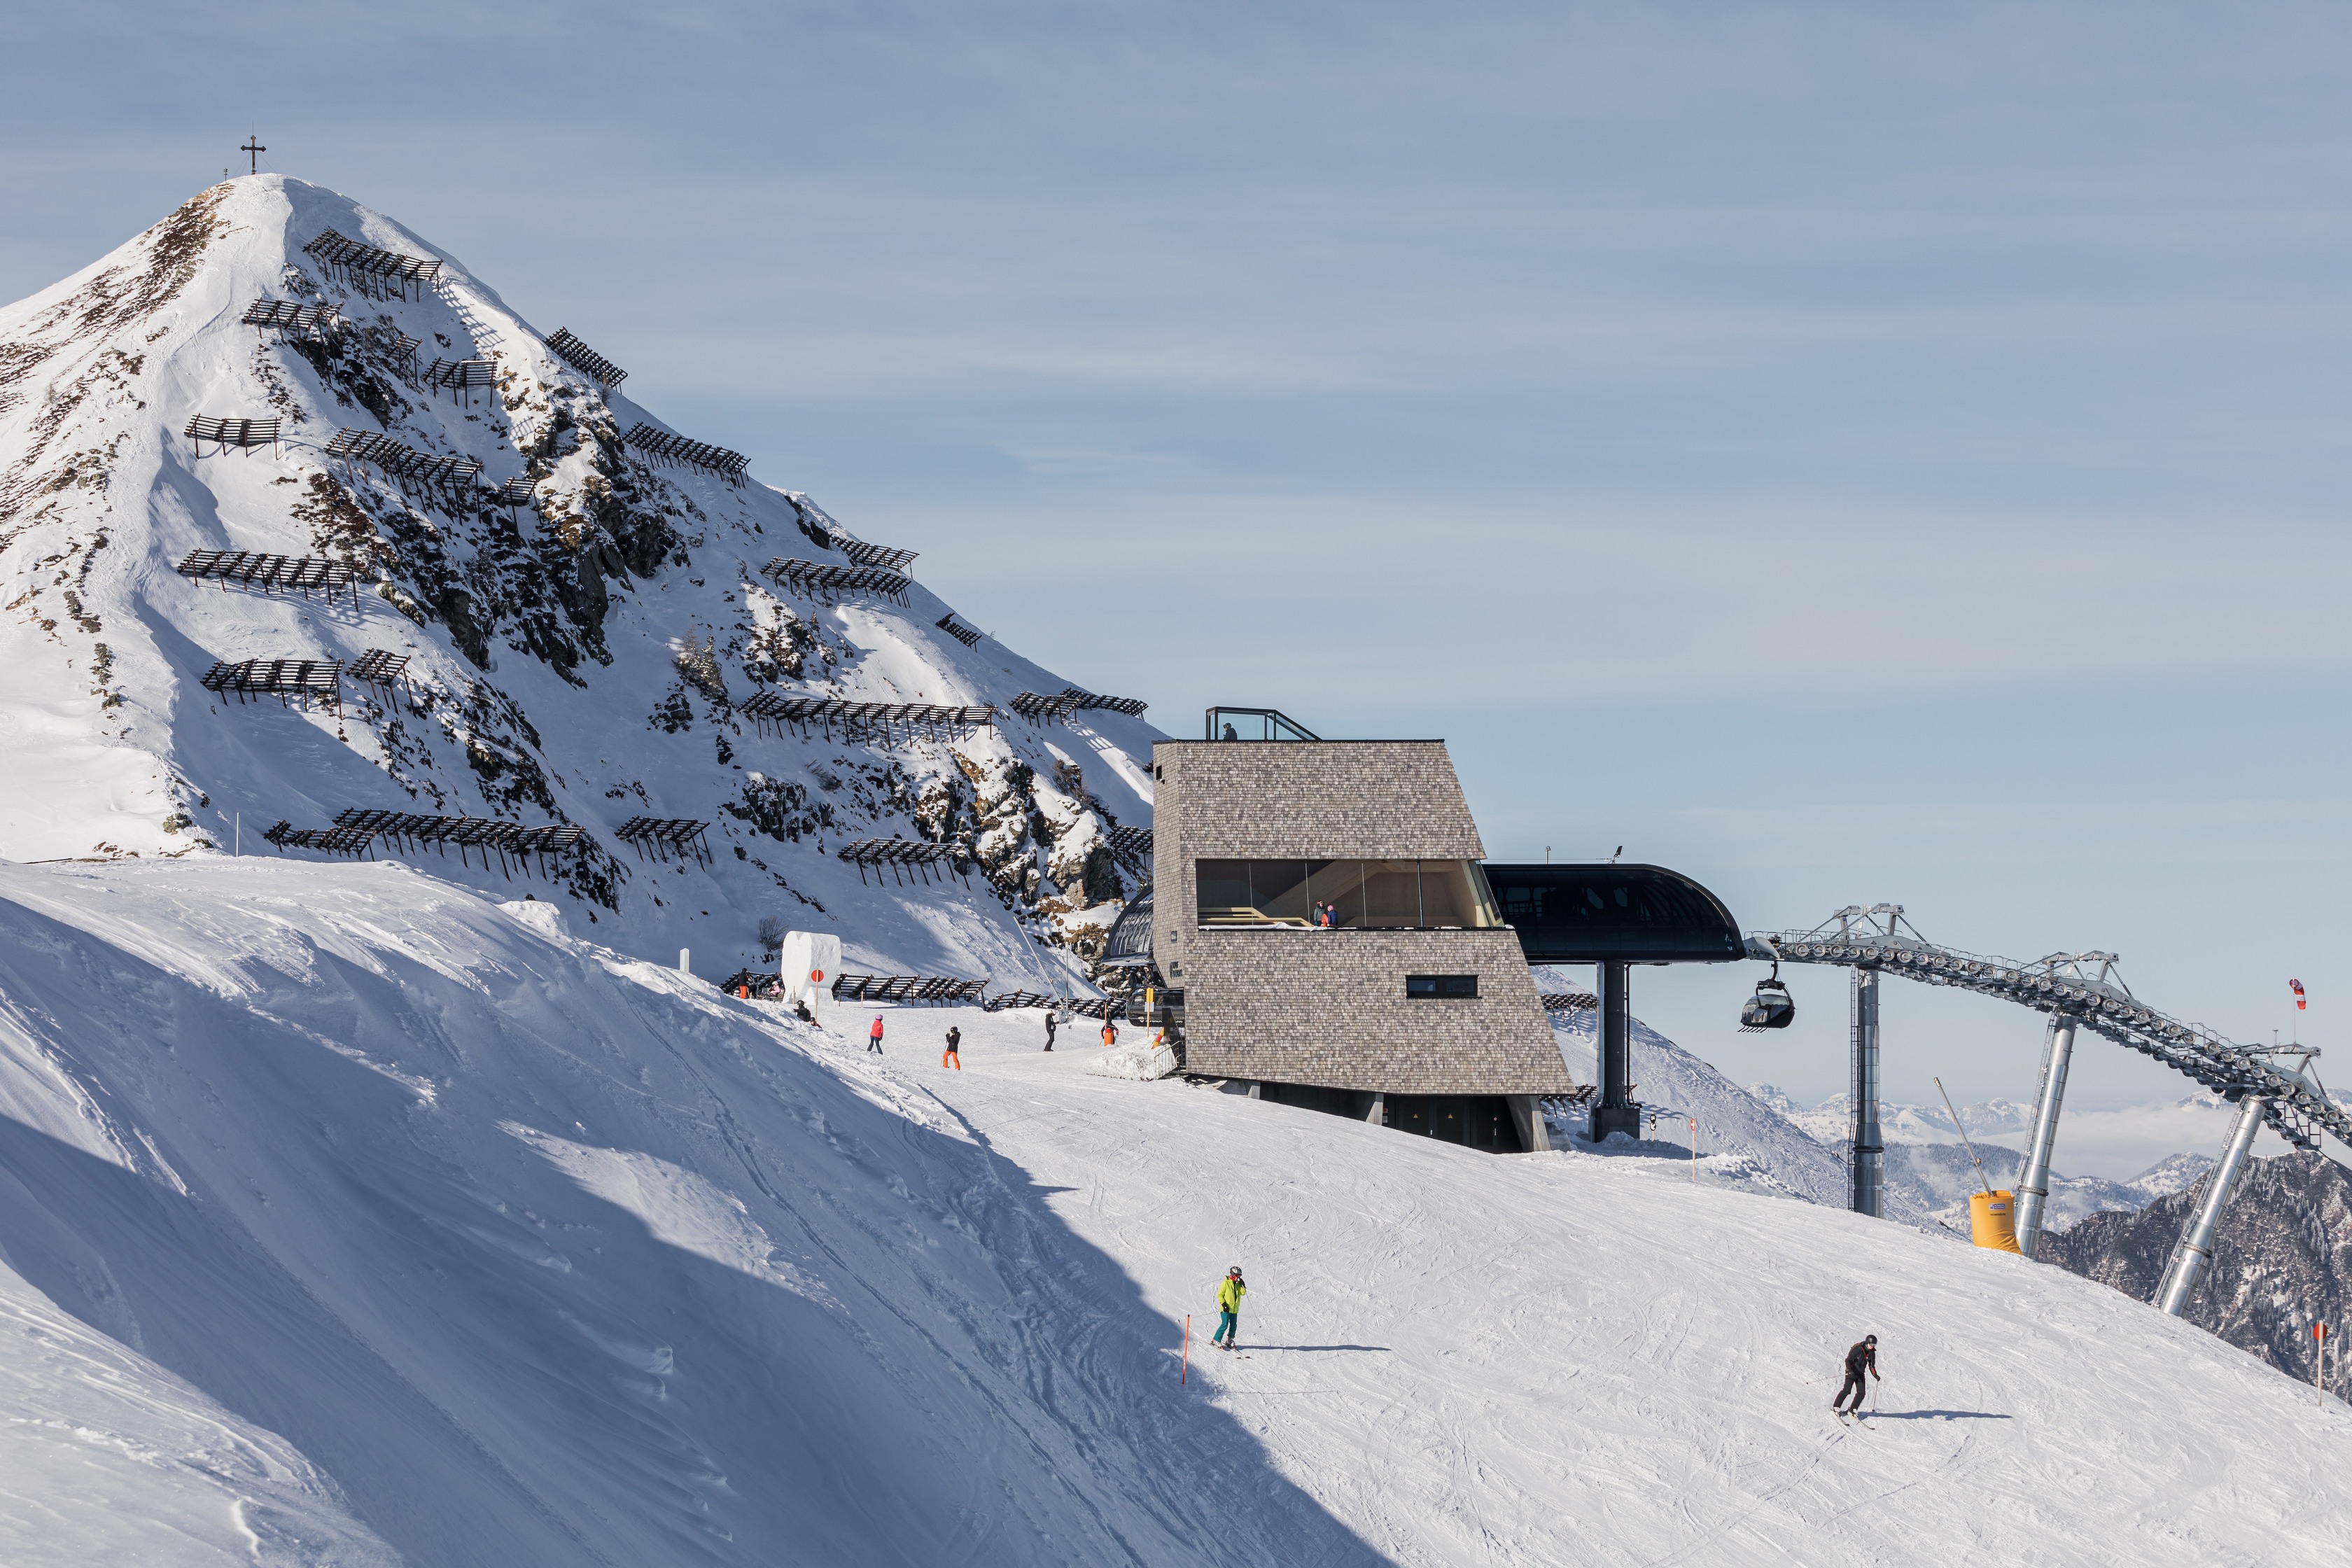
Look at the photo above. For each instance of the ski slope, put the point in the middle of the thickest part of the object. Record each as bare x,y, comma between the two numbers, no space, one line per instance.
108,1458
486,1244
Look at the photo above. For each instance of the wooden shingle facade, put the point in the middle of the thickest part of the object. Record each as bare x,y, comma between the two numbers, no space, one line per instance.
1287,1001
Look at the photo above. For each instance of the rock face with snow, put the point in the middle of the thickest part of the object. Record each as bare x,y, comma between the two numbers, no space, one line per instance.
2282,1259
2170,1175
580,652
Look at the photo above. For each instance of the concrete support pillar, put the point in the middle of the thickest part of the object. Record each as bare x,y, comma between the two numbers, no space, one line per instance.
1869,1177
1613,1110
2196,1248
2033,1190
1379,1115
1526,1115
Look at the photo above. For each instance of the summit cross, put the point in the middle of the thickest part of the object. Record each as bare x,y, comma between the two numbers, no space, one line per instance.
255,149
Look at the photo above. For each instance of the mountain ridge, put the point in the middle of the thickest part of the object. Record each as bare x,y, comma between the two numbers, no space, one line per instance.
579,658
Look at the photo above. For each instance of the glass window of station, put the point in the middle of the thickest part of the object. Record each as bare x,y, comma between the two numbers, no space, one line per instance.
1346,895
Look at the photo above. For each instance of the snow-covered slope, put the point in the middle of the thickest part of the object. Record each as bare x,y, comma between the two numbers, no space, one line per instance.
549,1257
107,1457
544,1256
582,659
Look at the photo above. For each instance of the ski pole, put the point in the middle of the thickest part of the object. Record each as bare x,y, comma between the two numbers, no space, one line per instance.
1186,1376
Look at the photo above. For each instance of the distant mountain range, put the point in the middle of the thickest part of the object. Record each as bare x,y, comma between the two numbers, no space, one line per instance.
1928,1166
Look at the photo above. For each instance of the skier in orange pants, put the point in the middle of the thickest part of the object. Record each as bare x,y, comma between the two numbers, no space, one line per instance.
948,1058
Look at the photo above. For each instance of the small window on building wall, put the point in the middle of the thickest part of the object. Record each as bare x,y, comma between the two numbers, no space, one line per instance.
1418,986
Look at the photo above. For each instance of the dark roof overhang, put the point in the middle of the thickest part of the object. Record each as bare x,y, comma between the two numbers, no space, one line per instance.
1605,913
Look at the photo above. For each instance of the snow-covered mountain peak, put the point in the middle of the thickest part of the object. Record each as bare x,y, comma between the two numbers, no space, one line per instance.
580,650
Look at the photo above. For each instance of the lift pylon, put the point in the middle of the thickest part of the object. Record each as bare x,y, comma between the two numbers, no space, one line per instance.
2033,1192
2196,1247
1868,1186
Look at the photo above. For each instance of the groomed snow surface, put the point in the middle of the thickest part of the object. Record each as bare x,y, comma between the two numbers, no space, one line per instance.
348,1215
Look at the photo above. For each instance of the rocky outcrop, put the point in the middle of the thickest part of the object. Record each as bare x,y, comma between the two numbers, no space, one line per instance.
2282,1261
545,544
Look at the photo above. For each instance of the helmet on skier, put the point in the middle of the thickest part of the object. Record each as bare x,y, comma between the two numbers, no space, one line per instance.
1235,1271
1870,1338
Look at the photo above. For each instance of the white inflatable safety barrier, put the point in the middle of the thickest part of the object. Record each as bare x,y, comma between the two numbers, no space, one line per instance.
809,965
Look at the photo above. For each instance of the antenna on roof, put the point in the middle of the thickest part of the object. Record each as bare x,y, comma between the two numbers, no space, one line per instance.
253,149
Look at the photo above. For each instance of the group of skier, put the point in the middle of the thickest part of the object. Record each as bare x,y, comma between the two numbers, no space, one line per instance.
1861,1360
953,1056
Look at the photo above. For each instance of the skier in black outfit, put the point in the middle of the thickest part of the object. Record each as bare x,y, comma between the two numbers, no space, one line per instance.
1862,1358
1051,1025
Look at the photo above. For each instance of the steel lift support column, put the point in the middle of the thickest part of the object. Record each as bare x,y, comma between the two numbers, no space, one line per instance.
1869,1172
1614,1110
2196,1248
2033,1190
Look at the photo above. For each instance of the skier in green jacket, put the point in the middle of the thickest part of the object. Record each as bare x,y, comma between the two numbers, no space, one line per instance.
1230,1291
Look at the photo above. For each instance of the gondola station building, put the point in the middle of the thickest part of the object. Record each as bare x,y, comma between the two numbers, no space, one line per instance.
1320,906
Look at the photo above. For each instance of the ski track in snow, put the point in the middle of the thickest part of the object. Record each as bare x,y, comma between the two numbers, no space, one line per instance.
494,1244
1565,1353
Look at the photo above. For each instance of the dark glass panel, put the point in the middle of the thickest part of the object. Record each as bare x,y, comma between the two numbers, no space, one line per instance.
1454,893
1278,889
1223,889
1391,893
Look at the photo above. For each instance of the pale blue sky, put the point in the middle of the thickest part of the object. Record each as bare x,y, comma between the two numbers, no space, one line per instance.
1845,455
